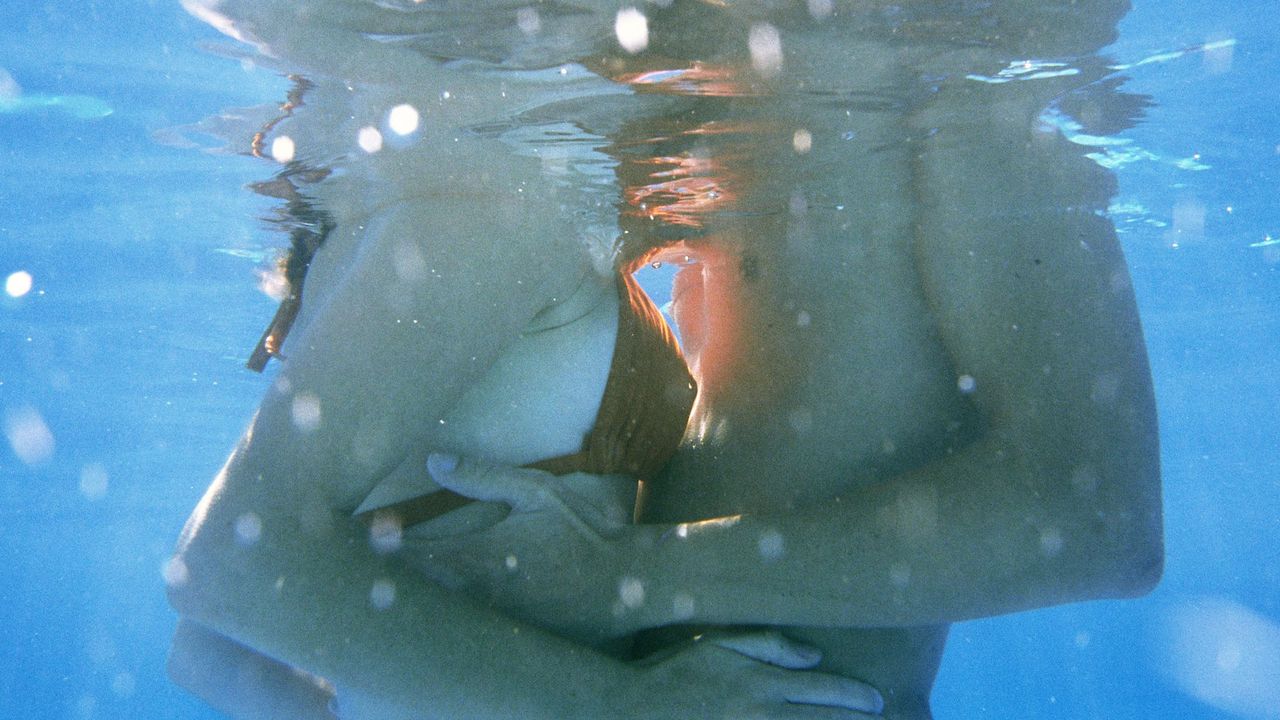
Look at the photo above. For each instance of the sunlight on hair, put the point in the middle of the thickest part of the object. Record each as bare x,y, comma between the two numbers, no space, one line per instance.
18,284
403,119
632,29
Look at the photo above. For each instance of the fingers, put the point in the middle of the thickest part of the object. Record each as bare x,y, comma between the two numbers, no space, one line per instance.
478,480
769,647
811,688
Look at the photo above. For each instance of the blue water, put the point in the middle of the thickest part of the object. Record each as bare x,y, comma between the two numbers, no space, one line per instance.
128,350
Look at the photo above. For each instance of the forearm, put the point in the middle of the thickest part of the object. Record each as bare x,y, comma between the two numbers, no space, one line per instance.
982,533
309,590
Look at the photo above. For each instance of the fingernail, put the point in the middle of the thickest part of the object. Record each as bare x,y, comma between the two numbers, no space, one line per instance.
441,464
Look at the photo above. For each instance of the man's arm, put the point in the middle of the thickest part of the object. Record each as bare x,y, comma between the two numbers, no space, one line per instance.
1058,498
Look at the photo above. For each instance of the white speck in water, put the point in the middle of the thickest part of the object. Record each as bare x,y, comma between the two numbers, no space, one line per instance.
803,319
28,435
382,595
848,135
369,139
282,149
174,572
1083,638
631,592
306,412
1084,479
900,575
403,119
802,141
1051,542
528,21
18,284
682,606
820,9
512,563
93,481
386,533
966,384
123,685
632,29
771,546
248,528
801,420
766,49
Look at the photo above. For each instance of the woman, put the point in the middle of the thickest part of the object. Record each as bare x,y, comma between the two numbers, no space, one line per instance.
451,276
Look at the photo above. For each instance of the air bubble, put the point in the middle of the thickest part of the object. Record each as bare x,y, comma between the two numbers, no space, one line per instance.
528,21
369,139
282,149
632,29
93,481
631,592
403,119
18,284
966,384
29,436
382,595
386,533
766,49
802,141
306,412
248,528
771,546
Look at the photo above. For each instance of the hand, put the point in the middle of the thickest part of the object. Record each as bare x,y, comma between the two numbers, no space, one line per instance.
566,543
746,675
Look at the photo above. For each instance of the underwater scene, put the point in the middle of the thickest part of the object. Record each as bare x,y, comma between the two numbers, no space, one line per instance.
941,337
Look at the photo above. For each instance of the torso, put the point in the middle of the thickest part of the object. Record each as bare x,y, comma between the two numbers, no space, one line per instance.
839,380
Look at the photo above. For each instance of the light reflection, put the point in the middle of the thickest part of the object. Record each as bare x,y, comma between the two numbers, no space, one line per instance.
369,139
